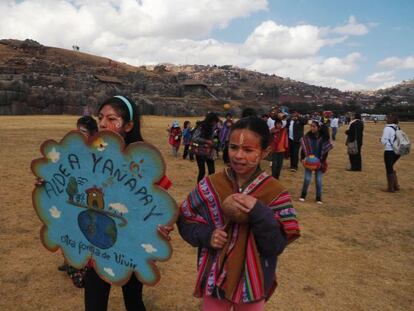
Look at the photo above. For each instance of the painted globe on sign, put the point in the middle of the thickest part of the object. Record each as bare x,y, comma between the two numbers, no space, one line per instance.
232,212
98,228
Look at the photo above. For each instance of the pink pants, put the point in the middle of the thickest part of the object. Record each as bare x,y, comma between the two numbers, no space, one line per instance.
213,304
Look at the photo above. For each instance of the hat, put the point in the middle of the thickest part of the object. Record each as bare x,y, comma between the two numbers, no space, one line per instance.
175,124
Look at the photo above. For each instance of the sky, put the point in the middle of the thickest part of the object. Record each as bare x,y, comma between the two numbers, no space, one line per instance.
349,45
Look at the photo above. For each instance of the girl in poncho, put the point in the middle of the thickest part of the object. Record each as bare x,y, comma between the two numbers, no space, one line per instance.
240,219
315,147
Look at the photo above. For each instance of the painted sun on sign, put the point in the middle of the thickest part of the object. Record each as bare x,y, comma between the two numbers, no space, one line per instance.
99,202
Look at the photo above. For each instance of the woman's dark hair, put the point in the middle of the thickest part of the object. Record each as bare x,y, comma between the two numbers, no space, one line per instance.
255,125
207,125
357,116
122,109
324,132
88,122
392,119
314,122
249,112
185,125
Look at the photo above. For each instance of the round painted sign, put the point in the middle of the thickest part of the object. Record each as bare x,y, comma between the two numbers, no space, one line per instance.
100,202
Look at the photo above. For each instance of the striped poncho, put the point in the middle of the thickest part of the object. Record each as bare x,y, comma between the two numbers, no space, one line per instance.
244,270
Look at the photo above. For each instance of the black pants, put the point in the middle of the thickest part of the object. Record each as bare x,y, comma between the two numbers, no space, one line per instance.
356,160
277,163
389,159
187,151
97,293
201,162
294,153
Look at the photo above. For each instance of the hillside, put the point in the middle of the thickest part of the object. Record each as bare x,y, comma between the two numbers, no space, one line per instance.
35,79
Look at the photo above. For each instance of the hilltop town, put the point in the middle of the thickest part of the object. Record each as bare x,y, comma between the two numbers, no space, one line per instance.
35,79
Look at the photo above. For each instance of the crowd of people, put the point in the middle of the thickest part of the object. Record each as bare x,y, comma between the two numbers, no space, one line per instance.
240,219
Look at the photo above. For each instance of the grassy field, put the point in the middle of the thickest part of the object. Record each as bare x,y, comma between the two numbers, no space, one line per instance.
356,251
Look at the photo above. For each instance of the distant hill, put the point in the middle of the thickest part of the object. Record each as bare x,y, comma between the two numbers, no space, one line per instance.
35,79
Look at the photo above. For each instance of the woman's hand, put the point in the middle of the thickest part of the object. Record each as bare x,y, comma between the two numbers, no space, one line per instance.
218,239
39,182
244,202
165,231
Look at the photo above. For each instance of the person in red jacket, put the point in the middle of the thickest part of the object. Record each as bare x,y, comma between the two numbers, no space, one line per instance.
280,145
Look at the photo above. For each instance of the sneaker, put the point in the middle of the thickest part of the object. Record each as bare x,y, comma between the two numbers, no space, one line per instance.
302,199
319,202
293,169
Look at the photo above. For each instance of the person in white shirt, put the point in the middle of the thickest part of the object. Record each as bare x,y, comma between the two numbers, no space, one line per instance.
390,157
334,126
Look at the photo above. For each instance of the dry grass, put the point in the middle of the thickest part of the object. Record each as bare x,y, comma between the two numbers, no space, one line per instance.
356,251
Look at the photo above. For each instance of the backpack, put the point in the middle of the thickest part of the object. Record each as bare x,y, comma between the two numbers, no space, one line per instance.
401,144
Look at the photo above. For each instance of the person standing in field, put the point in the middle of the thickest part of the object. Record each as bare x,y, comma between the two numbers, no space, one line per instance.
241,220
224,136
120,115
390,157
280,146
202,145
187,133
354,132
295,126
334,126
315,147
174,138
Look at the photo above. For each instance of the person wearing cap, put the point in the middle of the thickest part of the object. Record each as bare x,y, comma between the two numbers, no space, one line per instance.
174,139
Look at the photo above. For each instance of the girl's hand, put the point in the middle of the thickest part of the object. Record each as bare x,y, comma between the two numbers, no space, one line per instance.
39,182
244,202
218,239
165,231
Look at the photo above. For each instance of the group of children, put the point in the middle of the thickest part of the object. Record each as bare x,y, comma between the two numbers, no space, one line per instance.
237,256
220,137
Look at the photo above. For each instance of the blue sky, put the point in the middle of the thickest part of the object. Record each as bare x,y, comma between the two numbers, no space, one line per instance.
344,44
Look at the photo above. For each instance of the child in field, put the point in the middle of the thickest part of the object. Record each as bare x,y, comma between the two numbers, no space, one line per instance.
87,125
187,133
118,114
224,136
241,219
316,144
175,137
280,145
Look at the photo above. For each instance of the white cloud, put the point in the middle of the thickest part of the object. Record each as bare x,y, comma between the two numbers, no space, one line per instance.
149,248
270,40
397,63
80,21
119,207
315,70
381,77
54,212
53,155
353,28
109,271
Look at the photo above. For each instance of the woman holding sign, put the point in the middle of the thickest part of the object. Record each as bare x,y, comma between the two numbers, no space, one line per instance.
241,219
118,114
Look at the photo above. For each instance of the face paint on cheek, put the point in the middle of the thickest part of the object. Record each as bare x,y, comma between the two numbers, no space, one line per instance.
254,159
114,127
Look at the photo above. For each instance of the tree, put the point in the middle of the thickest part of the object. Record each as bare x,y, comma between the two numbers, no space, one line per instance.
72,188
